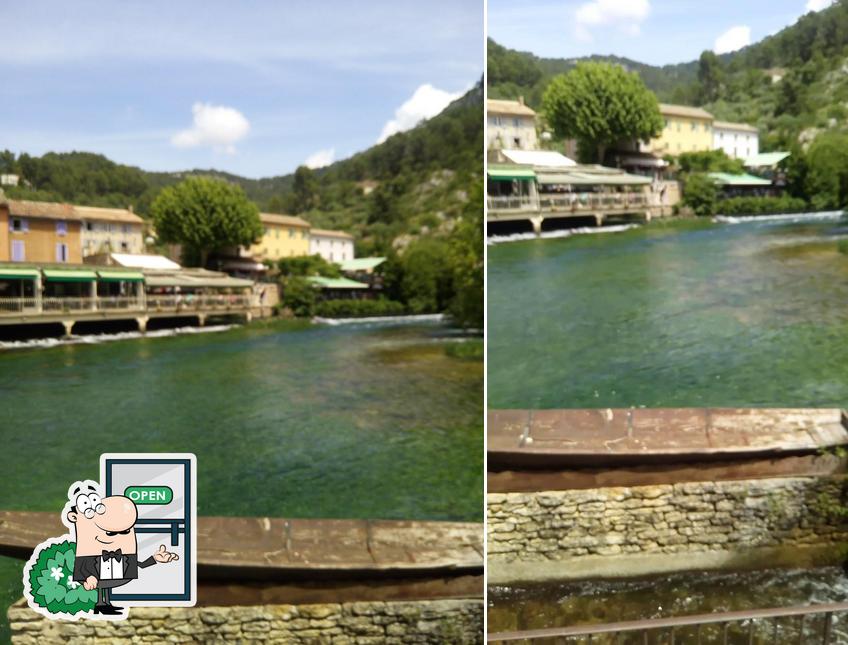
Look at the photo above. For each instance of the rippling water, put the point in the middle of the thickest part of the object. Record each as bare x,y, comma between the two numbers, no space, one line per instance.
685,313
360,421
581,603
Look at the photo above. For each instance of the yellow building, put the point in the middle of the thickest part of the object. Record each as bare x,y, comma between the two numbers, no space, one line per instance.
686,129
39,232
285,236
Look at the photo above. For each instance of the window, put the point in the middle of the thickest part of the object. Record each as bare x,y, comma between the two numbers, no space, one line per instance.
126,228
61,252
18,224
679,127
517,142
18,251
666,124
291,233
125,246
516,122
694,127
277,233
61,227
89,226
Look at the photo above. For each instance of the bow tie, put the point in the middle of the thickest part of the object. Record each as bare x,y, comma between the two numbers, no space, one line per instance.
114,555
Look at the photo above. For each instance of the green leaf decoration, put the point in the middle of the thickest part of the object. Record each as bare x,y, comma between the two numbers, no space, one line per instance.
53,595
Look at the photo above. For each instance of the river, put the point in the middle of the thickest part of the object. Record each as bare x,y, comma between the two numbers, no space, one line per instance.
286,419
675,313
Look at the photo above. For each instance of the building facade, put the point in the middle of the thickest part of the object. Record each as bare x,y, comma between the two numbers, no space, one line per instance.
333,246
511,125
284,236
685,129
39,232
738,140
110,230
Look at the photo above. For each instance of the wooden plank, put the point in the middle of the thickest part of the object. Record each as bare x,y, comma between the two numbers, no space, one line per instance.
264,548
594,437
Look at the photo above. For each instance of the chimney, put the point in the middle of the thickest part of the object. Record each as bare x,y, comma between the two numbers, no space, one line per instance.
521,100
129,208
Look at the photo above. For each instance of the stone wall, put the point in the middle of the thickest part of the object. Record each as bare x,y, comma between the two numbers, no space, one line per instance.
666,519
433,621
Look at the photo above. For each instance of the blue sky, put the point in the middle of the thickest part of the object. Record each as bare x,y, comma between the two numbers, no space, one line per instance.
649,31
252,87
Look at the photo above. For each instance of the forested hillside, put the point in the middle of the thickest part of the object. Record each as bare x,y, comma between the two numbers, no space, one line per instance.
792,85
413,183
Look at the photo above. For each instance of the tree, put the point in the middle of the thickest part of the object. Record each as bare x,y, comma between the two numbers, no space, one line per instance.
700,194
305,190
427,282
308,265
205,215
826,179
709,77
600,105
466,250
300,296
709,161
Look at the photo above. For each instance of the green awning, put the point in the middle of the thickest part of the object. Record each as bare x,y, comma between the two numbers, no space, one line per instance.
18,274
336,283
121,276
593,179
69,275
361,264
510,173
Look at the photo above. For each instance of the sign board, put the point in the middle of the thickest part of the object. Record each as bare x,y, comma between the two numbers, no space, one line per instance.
164,489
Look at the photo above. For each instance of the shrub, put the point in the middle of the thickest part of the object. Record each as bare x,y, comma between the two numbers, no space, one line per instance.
700,194
51,581
761,205
359,308
300,296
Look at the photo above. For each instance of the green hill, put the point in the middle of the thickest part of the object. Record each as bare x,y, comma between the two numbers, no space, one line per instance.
415,183
792,85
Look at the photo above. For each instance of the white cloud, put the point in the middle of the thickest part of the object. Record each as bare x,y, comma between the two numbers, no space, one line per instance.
626,15
818,5
213,125
427,101
734,38
320,158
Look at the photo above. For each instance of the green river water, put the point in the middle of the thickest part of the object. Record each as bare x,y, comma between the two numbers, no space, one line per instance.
680,314
286,419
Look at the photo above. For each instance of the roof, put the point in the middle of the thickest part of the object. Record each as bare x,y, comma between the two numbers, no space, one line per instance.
546,158
594,176
141,261
320,232
729,125
361,264
766,159
743,179
193,278
284,220
336,283
107,214
498,106
56,210
668,109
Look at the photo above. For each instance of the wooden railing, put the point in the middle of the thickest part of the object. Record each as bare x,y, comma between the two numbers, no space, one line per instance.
171,302
572,202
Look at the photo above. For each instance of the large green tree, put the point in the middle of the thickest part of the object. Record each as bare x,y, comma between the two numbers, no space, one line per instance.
826,179
709,77
466,251
600,105
205,215
305,194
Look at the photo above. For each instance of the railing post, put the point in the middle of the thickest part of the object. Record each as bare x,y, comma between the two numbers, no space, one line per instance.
828,617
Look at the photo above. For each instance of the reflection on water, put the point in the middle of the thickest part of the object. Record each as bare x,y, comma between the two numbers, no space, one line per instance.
581,603
687,313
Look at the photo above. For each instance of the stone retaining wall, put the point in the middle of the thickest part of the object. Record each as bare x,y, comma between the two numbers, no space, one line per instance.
433,621
673,519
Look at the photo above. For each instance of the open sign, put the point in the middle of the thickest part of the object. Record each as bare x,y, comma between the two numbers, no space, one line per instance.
149,494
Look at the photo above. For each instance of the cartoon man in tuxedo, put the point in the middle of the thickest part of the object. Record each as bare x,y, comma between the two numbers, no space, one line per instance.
106,548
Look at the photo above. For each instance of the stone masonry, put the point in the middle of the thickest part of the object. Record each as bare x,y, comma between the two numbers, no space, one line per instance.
433,621
679,518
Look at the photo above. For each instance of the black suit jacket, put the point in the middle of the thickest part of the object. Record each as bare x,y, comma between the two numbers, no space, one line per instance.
89,565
